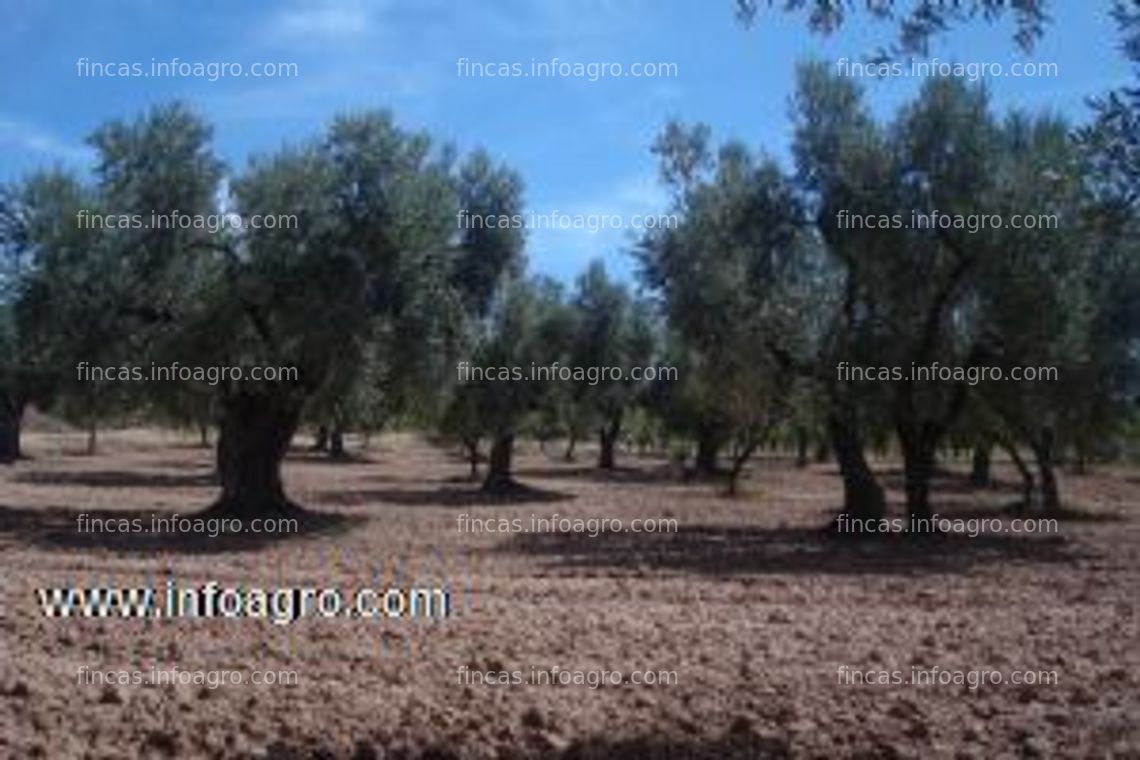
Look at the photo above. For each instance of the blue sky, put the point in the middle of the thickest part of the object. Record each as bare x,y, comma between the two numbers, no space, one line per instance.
582,147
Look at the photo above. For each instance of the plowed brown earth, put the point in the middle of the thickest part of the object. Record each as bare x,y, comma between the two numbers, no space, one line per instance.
753,608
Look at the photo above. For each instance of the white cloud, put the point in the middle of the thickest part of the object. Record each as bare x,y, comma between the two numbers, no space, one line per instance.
325,21
26,137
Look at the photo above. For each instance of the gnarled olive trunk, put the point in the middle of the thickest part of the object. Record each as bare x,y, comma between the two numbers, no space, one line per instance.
499,464
11,420
862,495
253,437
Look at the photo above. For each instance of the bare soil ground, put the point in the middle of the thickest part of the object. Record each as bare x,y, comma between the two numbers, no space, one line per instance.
752,607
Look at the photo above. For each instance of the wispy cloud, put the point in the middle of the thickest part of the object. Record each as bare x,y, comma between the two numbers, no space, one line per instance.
322,22
25,137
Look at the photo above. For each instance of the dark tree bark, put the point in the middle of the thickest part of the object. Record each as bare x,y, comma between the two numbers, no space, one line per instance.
203,435
739,458
862,495
1043,453
336,443
471,446
980,475
918,449
253,438
499,464
322,440
11,421
709,444
1028,483
607,441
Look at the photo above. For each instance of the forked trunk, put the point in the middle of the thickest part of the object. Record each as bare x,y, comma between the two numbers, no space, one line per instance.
1028,484
499,464
739,458
253,438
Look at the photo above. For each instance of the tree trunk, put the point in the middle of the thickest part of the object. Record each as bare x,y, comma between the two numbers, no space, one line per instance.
322,440
11,420
918,447
92,437
822,451
862,495
607,440
571,442
253,438
471,451
739,459
708,450
499,464
980,476
336,443
1028,485
801,447
1043,453
203,435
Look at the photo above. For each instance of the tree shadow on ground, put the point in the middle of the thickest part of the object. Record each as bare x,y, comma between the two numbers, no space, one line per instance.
958,509
58,528
618,475
323,457
445,496
117,479
729,550
948,482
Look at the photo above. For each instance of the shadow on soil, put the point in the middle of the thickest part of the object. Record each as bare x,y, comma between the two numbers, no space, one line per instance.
728,550
57,528
630,475
445,496
117,479
944,481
